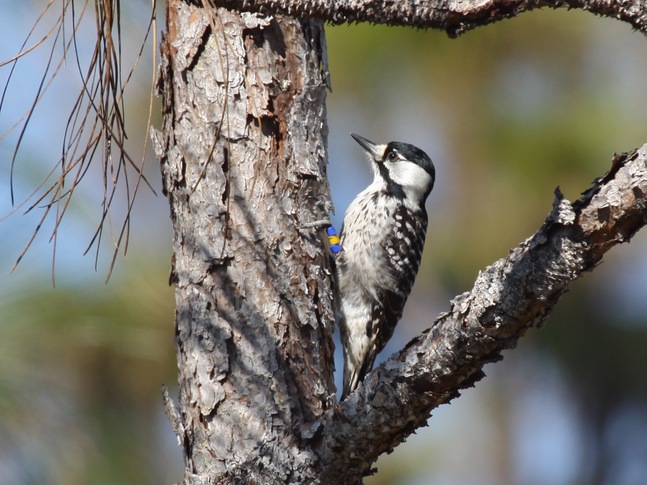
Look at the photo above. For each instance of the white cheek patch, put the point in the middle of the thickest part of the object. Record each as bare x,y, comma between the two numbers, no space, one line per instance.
414,179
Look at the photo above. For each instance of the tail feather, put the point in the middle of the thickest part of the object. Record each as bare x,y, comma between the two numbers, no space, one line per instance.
354,374
351,380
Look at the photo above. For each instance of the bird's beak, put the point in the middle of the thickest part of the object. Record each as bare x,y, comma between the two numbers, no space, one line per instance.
375,151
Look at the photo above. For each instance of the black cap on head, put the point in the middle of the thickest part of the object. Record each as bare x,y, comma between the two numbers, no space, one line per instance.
413,154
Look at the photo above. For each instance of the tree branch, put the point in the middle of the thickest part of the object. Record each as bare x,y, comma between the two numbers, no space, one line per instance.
509,297
453,16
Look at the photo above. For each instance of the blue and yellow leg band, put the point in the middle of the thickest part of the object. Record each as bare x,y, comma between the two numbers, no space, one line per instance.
333,240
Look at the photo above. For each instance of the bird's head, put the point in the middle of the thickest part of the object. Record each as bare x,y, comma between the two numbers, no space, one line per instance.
403,169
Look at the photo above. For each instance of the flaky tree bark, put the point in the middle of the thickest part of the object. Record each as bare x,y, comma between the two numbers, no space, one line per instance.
243,154
243,159
453,16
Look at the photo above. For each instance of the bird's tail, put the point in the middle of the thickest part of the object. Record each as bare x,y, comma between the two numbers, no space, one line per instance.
351,379
354,372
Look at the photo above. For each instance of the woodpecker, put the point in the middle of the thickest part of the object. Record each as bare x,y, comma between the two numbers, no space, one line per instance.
382,237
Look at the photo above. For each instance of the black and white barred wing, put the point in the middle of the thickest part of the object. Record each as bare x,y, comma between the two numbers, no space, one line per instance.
403,253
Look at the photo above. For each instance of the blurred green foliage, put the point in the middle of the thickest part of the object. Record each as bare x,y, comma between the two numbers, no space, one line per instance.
80,373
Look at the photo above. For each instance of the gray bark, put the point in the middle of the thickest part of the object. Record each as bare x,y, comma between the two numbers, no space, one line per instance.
453,16
244,165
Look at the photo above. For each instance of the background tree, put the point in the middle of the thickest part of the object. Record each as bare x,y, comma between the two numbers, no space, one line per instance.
459,238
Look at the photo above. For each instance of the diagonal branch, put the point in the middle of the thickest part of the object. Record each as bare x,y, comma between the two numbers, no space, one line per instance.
509,297
453,16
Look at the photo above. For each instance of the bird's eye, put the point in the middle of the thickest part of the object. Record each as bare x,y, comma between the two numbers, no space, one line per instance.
392,156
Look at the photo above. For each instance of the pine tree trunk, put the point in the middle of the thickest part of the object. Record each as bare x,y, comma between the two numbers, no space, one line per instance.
243,153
